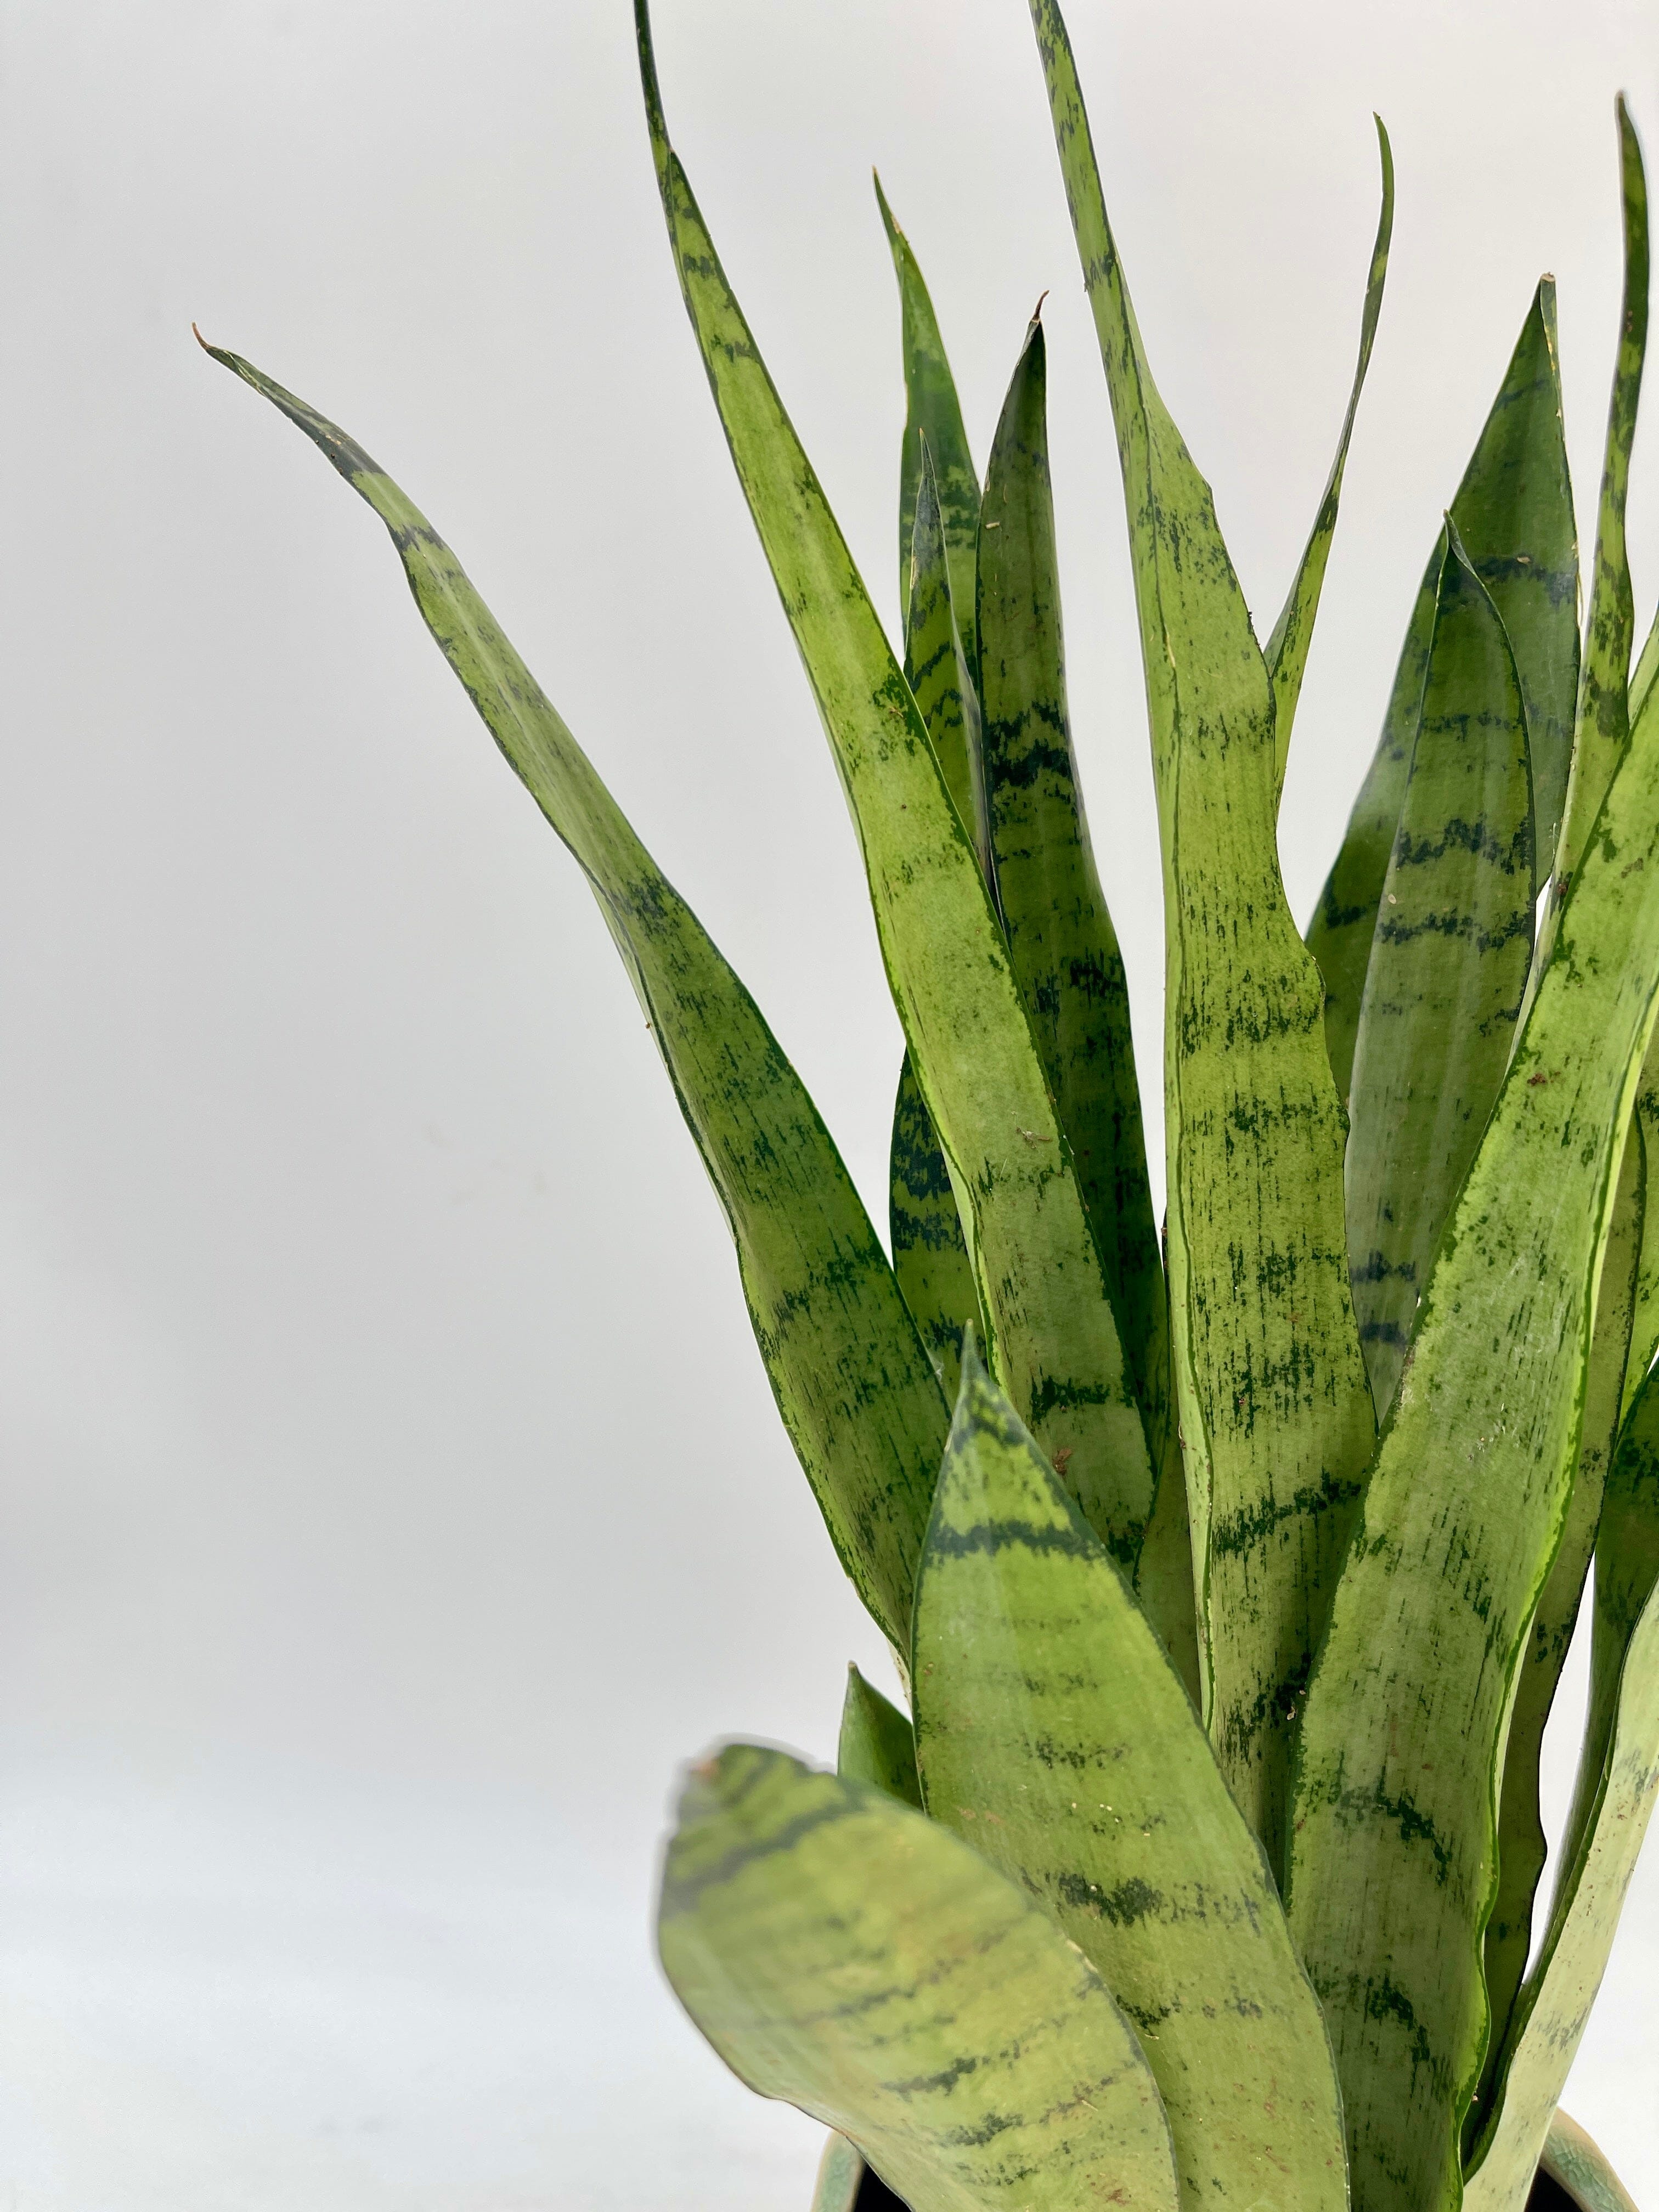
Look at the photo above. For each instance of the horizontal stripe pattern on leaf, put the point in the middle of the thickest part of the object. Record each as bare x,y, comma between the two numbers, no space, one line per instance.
1054,1736
1448,968
1273,1403
1513,513
854,1385
844,1954
1392,1870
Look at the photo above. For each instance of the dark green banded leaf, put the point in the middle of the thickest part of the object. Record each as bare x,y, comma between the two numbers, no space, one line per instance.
1392,1863
1617,1782
1603,719
854,1385
1055,1735
937,671
1292,634
877,1743
1048,1321
930,1254
1274,1406
1060,931
1522,1846
933,413
842,1953
1644,1320
1513,514
1448,968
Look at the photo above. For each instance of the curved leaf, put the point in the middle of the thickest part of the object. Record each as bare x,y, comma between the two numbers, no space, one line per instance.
1292,633
1273,1403
1522,1849
1064,948
856,1390
877,1743
1573,2161
1047,1318
1054,1735
842,1953
1604,715
1645,670
841,2171
1447,967
1392,1867
1513,514
933,413
1618,1781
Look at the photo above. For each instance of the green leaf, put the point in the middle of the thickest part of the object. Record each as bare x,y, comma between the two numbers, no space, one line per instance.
930,1254
1292,634
1273,1403
1049,1321
1604,717
1646,670
877,1743
1513,514
854,1387
1522,1847
1577,2164
1645,1321
1447,967
933,413
1054,1735
842,1953
1618,1781
840,2174
1393,1863
1064,947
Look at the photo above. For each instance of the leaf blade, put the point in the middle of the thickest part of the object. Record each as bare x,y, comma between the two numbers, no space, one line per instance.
1048,1321
1392,1867
842,1953
854,1387
1054,1735
877,1744
1270,1499
1448,968
1513,510
1292,633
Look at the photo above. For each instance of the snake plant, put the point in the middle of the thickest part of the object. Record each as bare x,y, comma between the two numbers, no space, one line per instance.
1264,1536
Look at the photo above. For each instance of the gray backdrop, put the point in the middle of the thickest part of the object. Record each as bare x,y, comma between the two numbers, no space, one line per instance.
392,1493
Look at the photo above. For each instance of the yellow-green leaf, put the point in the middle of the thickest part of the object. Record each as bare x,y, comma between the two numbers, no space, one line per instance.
844,1954
1053,1736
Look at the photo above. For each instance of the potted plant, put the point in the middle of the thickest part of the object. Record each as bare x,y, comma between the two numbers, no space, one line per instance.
1229,1564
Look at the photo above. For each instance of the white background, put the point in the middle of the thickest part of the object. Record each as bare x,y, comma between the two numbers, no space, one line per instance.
392,1494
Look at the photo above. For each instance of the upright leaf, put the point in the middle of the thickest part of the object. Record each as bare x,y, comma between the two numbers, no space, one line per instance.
1618,1781
1053,1736
877,1743
842,1953
1645,670
1448,967
1392,1861
1604,716
1273,1403
855,1389
1292,634
1644,1321
841,2172
933,414
1522,1849
1513,514
930,1254
1064,948
1048,1321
